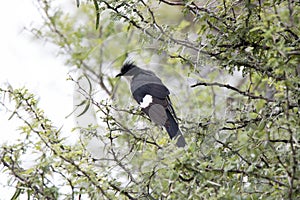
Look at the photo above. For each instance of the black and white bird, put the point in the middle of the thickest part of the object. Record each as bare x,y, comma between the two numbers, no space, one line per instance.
153,97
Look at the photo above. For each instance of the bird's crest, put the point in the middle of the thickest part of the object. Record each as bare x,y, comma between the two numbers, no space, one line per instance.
128,65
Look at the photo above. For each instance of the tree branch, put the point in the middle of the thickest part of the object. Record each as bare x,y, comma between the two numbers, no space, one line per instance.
234,89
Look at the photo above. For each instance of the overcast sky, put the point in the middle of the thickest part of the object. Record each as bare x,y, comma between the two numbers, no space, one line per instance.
26,62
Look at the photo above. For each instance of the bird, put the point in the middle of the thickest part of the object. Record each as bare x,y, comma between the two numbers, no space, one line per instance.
153,97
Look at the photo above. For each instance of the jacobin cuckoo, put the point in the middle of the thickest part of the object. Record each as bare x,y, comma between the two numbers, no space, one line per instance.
153,97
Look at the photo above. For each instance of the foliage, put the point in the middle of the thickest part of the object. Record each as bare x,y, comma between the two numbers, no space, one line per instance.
243,135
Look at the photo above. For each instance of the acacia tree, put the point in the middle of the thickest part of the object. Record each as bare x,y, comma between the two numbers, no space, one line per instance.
242,131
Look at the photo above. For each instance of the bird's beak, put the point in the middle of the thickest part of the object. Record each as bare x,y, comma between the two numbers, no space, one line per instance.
118,75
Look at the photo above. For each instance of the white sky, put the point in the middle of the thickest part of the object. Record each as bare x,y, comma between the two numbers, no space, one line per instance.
26,62
30,63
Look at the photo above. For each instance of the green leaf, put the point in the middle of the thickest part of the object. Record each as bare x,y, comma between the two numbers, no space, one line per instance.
17,193
87,106
90,84
97,13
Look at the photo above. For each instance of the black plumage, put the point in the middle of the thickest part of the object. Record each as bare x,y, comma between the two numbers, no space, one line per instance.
153,96
126,67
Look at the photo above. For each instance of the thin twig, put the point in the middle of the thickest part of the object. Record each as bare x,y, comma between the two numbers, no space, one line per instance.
234,89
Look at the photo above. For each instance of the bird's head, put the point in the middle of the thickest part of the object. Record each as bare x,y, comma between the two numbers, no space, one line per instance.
126,69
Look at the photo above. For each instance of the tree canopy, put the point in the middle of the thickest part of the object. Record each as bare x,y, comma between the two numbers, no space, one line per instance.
233,68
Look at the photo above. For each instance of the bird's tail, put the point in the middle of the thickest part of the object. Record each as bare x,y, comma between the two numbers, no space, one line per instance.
173,130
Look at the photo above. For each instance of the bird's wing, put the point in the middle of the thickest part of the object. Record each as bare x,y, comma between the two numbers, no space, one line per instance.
161,112
147,88
158,91
153,97
171,109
